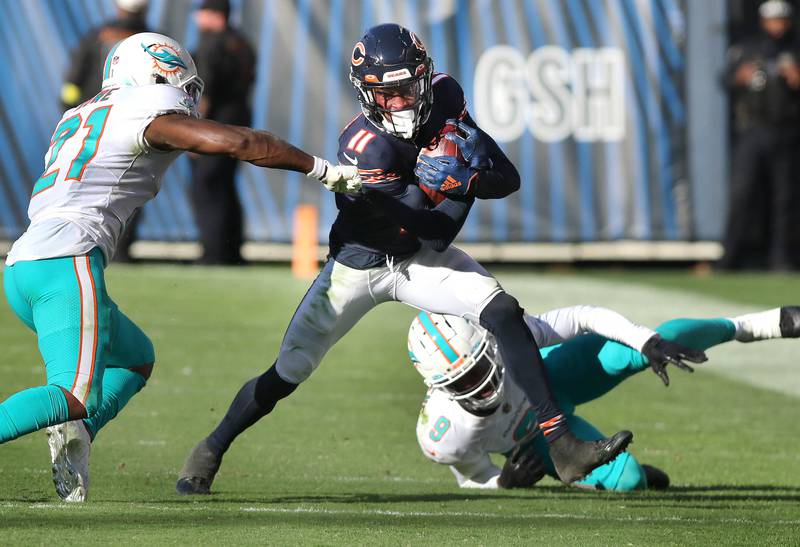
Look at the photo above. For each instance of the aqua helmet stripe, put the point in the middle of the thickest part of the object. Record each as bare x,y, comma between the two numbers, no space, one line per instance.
437,337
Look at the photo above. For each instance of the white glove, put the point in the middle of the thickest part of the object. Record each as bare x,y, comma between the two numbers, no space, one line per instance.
343,179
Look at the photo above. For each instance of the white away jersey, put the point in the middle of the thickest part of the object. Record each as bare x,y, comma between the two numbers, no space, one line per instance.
450,435
98,171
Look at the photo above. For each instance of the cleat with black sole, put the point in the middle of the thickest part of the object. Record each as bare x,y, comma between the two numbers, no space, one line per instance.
198,472
574,458
790,322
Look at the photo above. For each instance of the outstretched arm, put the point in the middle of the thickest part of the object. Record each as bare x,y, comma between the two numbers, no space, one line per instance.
556,326
182,132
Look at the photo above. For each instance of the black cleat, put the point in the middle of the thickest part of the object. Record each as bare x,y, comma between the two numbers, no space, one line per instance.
790,322
574,458
198,472
656,478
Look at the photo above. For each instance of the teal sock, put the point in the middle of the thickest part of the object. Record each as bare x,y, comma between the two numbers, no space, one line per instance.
119,385
31,410
698,333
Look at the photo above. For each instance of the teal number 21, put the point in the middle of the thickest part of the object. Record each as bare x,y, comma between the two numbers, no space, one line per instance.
96,122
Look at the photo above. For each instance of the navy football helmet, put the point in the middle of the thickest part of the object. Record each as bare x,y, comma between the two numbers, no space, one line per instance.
391,72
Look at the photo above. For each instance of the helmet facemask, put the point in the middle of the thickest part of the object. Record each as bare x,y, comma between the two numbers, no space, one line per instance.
417,94
194,88
480,386
459,358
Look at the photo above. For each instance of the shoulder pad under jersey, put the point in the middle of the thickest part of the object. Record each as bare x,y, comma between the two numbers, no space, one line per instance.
448,97
143,104
363,145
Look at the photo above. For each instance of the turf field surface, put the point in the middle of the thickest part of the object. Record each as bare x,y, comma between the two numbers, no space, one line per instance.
337,462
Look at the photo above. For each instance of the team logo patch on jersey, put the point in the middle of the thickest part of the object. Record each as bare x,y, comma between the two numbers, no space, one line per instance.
165,59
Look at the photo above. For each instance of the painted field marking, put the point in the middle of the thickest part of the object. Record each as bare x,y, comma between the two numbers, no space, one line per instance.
405,514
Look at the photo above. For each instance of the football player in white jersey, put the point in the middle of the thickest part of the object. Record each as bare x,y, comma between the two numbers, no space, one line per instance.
106,159
472,409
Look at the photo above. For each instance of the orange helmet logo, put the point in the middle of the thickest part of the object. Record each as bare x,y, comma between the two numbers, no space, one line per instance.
358,54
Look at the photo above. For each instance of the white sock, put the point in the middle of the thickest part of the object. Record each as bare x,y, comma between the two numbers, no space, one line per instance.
762,325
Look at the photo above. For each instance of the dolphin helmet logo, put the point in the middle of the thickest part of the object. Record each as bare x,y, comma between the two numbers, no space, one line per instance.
165,59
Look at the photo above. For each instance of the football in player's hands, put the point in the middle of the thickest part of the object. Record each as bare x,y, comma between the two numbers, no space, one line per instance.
440,146
442,168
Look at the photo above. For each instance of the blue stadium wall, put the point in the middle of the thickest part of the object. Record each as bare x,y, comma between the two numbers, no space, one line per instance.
586,96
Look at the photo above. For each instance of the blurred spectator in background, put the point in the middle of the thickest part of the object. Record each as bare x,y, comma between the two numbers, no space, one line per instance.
85,76
225,61
763,77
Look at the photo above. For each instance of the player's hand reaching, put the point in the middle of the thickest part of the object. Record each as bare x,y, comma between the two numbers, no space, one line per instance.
523,467
660,352
343,179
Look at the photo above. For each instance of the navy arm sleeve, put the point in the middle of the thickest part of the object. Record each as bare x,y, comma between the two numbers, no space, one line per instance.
436,228
501,178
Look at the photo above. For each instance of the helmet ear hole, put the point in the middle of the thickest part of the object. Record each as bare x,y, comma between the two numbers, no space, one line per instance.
159,79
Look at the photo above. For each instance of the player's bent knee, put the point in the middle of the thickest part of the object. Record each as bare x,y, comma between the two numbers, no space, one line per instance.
143,370
271,387
148,351
295,366
502,309
75,409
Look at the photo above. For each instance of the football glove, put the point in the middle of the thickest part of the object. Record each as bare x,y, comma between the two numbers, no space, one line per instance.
660,353
445,174
523,467
470,146
343,179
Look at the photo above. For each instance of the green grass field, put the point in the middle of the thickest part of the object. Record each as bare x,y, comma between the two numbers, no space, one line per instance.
337,463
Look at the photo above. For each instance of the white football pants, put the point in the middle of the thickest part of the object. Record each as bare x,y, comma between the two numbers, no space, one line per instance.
450,282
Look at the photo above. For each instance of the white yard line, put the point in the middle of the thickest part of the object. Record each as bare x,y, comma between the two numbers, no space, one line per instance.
484,515
395,513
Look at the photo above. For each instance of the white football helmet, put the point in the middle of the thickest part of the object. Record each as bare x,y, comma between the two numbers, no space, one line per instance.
148,58
458,357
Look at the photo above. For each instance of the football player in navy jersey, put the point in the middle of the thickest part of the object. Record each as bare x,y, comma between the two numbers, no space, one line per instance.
393,243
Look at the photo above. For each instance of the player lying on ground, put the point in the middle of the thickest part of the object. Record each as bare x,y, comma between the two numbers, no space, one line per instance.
473,410
106,160
393,244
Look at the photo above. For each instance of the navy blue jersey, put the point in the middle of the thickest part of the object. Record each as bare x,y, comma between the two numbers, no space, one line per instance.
362,236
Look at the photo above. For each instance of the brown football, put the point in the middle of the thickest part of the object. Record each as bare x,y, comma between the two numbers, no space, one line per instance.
440,146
